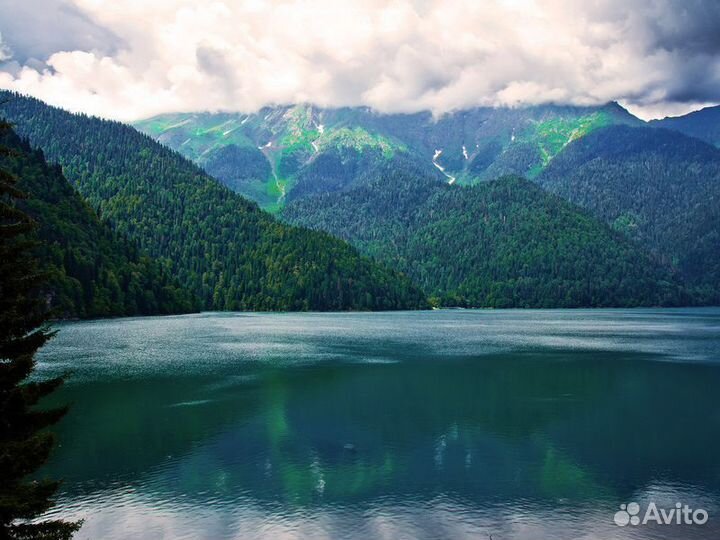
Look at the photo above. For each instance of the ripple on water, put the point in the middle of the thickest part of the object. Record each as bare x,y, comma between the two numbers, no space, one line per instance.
514,424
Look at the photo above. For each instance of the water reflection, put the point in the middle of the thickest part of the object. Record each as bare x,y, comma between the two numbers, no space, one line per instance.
492,436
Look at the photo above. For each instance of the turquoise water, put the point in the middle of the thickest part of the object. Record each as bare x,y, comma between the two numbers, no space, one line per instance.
428,425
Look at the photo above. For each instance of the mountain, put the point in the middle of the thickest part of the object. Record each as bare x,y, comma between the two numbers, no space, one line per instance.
284,153
92,272
278,153
218,245
502,243
658,187
703,124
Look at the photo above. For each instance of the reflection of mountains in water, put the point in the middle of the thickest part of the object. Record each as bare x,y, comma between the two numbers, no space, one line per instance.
531,426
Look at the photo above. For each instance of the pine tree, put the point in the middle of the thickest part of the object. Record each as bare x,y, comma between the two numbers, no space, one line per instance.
25,444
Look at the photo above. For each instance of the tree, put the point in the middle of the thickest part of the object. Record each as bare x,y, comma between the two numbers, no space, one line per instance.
25,444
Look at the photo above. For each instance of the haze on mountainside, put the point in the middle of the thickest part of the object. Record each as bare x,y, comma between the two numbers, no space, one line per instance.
130,60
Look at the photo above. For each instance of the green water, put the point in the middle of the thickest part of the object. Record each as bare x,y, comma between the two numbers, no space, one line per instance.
445,424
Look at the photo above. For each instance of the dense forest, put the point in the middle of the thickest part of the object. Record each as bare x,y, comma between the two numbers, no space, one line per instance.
504,243
703,124
91,272
658,187
218,245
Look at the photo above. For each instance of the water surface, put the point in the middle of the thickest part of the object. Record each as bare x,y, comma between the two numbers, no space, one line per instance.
427,425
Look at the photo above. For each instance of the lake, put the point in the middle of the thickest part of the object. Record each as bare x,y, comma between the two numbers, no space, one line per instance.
412,425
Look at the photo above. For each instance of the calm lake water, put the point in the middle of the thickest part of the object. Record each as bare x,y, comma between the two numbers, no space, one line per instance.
429,425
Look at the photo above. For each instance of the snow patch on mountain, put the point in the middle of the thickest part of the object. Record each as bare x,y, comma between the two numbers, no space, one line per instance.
436,155
179,124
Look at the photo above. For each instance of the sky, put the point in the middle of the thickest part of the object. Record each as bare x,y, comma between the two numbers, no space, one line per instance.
131,59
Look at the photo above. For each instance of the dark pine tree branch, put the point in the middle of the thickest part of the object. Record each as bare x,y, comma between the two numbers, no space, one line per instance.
24,442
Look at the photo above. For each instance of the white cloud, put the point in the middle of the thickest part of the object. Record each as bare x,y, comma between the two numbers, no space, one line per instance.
397,55
5,52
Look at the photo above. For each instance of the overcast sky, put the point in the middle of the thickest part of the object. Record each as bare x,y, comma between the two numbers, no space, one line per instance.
129,59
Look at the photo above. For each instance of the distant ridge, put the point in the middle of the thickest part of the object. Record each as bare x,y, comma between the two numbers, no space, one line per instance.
284,153
703,124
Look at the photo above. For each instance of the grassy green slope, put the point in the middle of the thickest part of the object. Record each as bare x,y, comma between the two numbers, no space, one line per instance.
288,139
469,146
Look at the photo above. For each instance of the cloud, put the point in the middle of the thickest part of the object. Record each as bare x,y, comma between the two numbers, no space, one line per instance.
5,52
129,59
38,28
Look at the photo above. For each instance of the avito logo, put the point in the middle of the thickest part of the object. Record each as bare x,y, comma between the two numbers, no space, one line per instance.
680,514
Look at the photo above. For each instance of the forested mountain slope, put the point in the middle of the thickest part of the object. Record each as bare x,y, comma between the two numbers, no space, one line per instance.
280,154
503,243
658,187
92,272
219,246
703,124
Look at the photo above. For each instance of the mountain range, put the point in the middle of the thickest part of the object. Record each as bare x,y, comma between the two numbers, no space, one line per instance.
281,154
657,187
217,245
546,206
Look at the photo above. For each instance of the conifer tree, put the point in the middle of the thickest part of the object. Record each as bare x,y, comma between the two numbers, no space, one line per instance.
25,443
